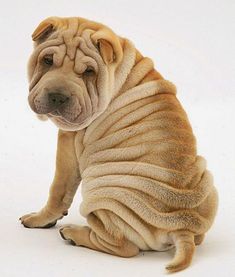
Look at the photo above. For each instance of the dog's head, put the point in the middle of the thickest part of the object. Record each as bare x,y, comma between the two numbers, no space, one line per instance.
71,70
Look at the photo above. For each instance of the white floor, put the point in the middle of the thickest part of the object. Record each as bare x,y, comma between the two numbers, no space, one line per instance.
192,43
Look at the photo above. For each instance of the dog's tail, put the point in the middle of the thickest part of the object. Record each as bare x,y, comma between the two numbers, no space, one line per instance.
185,246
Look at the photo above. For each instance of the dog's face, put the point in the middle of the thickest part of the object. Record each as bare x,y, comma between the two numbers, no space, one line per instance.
71,71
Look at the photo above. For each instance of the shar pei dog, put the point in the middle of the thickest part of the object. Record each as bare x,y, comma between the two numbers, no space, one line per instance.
122,134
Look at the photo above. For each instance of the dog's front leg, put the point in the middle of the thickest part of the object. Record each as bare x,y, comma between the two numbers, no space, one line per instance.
63,188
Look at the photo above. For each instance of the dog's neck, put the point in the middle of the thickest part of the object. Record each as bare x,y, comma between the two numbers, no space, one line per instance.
134,70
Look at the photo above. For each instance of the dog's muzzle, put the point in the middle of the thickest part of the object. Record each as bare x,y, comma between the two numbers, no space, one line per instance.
49,102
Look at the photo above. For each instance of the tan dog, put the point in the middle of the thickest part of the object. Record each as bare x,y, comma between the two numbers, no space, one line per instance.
126,136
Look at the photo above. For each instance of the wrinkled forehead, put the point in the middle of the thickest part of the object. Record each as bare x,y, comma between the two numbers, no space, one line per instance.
72,42
75,42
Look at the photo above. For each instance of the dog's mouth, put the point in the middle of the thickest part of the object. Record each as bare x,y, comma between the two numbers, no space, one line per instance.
65,115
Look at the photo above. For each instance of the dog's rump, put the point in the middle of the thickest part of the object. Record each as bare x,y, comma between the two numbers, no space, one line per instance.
140,202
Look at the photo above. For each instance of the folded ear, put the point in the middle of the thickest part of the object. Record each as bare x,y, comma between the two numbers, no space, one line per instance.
108,45
106,51
43,30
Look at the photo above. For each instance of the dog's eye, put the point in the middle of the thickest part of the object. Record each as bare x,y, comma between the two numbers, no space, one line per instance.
89,71
48,60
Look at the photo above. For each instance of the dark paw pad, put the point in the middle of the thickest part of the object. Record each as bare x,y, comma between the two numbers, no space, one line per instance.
49,225
25,225
72,242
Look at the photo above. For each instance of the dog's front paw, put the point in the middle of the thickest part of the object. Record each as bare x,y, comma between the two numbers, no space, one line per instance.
39,220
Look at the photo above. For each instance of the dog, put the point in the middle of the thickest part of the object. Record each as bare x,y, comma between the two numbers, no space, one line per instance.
124,134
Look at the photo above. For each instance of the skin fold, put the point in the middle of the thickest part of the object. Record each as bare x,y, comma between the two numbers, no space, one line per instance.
123,132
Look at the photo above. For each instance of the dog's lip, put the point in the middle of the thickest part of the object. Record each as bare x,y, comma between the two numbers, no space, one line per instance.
55,113
59,115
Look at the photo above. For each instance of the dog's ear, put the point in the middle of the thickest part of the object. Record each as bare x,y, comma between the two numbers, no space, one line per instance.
108,45
45,28
106,51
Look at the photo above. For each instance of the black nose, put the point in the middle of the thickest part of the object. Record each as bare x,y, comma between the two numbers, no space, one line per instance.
57,99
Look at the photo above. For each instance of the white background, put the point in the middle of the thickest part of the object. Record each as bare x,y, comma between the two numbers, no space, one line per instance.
192,44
